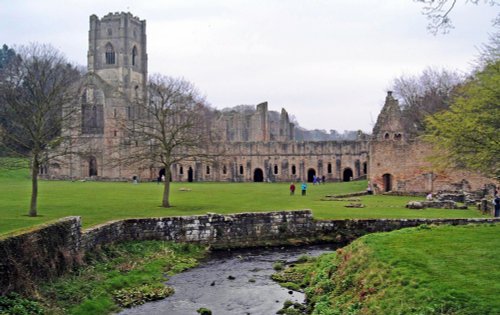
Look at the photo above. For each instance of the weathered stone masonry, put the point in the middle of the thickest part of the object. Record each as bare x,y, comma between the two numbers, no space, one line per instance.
55,248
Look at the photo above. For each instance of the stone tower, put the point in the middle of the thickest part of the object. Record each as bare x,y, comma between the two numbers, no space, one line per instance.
114,86
117,52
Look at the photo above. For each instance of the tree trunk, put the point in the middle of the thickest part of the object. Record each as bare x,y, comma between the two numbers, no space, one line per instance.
34,188
166,188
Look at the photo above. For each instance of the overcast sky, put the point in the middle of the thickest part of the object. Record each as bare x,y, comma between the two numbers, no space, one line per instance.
329,63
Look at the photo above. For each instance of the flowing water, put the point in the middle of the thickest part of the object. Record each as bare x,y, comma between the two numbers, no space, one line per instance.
231,283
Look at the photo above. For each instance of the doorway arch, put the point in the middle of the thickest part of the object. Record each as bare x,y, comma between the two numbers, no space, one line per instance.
387,180
190,174
310,175
258,175
92,166
161,174
347,175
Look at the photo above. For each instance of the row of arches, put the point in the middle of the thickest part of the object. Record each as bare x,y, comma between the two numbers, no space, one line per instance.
347,175
258,174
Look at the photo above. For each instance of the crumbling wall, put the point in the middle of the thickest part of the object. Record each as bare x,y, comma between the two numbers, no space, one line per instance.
45,252
53,249
408,164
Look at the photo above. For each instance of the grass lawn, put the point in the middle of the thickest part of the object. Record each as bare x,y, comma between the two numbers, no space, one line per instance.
98,202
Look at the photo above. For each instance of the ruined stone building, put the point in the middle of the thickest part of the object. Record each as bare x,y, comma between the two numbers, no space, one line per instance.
260,144
399,159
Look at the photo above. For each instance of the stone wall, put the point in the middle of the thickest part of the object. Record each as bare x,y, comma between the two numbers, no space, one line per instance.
53,249
279,161
45,252
404,166
220,231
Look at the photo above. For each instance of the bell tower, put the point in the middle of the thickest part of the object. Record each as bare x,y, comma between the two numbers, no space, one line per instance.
117,52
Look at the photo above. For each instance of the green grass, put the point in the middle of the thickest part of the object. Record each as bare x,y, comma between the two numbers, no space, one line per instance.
98,202
425,270
129,273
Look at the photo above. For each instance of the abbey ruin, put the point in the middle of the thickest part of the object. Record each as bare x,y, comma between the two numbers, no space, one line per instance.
260,145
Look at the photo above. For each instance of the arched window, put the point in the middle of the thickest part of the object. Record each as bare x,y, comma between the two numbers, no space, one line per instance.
224,170
386,136
241,169
294,170
397,136
84,97
208,170
134,55
110,54
329,168
93,117
181,170
92,166
275,169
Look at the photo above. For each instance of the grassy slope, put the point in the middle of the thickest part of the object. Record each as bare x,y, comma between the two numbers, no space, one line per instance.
437,270
127,267
98,202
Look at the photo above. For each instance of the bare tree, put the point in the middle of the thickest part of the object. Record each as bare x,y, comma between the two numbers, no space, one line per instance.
425,94
174,124
438,13
37,94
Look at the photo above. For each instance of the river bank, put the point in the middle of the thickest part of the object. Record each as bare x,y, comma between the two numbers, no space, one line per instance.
423,270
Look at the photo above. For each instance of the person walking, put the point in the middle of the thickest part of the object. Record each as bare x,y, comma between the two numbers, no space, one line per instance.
304,188
496,202
292,189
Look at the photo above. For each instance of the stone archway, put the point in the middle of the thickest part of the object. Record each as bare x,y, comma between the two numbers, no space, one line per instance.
92,166
310,175
161,174
387,180
347,175
258,175
190,174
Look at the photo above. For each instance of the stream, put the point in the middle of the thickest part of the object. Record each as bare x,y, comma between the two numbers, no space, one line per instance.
234,282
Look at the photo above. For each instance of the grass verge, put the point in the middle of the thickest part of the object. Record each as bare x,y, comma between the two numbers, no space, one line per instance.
424,270
121,275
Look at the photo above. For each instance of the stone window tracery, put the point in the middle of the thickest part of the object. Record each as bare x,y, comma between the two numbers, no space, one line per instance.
110,54
134,56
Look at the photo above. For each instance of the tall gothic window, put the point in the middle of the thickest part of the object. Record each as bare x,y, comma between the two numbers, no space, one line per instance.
134,55
92,111
110,54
